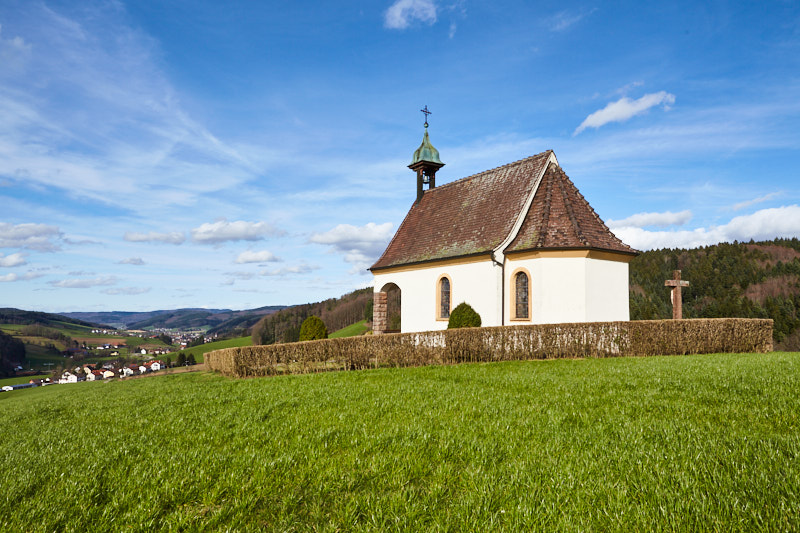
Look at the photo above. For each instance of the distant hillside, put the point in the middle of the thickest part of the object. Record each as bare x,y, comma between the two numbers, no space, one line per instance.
336,313
10,315
749,280
217,320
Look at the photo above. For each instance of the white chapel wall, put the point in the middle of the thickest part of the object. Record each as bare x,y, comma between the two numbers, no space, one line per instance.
475,283
558,286
607,298
571,289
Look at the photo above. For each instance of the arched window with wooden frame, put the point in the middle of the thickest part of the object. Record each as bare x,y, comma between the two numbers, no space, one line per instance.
443,298
521,302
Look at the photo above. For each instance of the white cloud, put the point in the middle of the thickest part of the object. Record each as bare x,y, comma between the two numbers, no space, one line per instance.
748,203
264,256
132,261
297,269
77,283
765,224
403,13
31,236
360,245
662,220
12,260
17,277
624,109
239,230
126,291
175,237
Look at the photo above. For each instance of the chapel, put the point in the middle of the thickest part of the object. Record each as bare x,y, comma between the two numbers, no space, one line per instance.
519,243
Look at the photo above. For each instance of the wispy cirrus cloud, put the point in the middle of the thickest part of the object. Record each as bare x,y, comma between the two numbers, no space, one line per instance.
625,109
124,122
285,271
765,224
239,230
754,201
641,220
84,283
402,13
263,256
13,276
566,18
174,237
126,291
132,261
39,237
359,245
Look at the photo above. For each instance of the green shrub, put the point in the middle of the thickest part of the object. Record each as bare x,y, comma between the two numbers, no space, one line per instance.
464,316
313,328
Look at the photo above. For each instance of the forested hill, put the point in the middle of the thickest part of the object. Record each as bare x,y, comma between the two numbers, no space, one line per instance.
749,280
217,320
9,315
336,313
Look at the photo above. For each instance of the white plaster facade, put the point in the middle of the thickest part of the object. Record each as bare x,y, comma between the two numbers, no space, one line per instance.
569,286
576,269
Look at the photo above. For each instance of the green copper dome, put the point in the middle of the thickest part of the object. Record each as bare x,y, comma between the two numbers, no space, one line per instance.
426,152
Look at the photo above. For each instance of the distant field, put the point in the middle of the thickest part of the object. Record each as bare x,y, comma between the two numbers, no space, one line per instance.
21,379
37,356
200,351
359,328
698,443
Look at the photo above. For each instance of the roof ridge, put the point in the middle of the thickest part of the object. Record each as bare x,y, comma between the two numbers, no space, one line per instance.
545,221
570,208
494,169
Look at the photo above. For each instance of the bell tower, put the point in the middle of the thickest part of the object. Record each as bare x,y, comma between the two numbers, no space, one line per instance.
426,161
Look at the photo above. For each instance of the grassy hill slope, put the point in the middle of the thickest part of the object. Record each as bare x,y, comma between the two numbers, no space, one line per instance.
201,350
679,443
336,313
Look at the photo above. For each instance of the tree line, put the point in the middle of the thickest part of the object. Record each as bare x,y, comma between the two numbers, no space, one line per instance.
745,280
336,313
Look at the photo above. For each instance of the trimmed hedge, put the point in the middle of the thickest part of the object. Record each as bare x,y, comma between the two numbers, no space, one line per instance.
507,343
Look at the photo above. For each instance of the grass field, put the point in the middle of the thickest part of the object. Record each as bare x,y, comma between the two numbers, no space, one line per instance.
359,328
21,379
200,351
699,443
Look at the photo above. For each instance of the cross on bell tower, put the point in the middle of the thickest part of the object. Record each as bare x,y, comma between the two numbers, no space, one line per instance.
425,161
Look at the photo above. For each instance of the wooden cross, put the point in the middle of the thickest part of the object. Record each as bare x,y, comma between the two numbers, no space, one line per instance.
425,110
676,283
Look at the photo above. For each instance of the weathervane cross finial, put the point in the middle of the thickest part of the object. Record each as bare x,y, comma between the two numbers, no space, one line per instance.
425,110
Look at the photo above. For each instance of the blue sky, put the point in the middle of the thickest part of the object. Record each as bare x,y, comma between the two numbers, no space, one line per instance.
239,154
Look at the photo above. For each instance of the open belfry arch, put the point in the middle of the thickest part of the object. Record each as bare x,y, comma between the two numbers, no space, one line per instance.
519,243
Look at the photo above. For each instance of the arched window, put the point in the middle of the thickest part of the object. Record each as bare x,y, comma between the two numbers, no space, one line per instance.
522,295
443,298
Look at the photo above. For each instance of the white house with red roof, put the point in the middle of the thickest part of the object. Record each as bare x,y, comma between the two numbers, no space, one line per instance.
519,243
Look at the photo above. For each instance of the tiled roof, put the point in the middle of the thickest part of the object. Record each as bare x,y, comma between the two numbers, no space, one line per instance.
474,215
464,217
561,218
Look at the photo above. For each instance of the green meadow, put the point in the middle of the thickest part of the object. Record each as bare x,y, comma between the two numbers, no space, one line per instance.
359,328
698,443
201,350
